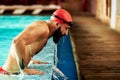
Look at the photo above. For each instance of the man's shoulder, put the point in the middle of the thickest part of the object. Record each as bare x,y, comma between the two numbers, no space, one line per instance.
42,27
40,22
39,26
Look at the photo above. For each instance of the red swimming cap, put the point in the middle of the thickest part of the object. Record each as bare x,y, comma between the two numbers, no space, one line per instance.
61,15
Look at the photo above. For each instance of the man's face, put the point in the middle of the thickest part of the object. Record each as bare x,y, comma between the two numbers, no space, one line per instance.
64,29
61,31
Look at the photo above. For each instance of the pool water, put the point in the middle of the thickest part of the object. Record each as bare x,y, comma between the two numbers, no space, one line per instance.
10,26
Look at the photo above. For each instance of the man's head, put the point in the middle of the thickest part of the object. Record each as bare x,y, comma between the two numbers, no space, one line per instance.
62,16
64,19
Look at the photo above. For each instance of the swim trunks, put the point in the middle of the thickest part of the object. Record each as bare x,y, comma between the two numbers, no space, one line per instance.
2,71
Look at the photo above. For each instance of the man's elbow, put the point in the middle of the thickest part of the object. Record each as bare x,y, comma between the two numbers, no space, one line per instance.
15,40
18,41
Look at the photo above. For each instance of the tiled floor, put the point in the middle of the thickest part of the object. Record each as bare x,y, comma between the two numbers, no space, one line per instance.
97,49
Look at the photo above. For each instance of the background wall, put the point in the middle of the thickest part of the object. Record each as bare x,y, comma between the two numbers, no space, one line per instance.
118,15
72,5
27,2
76,6
93,4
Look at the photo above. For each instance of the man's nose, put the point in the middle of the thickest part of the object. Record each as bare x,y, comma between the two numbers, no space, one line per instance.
66,33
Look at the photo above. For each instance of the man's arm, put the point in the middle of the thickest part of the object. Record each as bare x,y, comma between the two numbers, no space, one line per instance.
30,36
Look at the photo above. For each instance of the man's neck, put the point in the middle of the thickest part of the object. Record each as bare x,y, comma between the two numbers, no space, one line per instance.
52,27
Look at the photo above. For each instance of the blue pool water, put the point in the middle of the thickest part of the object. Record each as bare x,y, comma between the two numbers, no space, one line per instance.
10,26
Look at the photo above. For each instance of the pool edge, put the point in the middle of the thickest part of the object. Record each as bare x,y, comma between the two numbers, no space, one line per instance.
75,56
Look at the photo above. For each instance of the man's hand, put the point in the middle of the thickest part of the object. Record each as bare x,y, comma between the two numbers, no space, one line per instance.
38,62
32,71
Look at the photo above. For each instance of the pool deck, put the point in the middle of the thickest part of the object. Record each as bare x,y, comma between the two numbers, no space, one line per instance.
96,49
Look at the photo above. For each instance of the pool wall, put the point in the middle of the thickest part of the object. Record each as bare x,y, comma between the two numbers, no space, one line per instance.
65,56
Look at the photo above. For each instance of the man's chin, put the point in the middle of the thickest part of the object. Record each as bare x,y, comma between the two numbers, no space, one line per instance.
56,38
57,35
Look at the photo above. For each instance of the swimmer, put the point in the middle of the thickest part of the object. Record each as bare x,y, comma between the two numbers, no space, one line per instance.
31,41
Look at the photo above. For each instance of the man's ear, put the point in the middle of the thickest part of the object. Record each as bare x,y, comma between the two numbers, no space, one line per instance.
57,25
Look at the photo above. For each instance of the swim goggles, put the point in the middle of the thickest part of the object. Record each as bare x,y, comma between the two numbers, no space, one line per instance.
69,23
